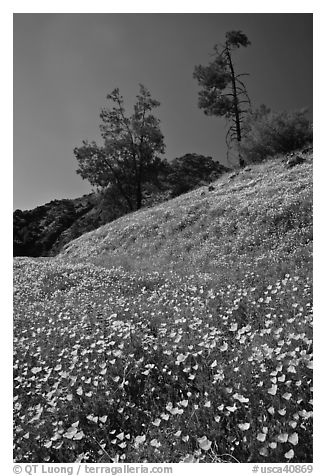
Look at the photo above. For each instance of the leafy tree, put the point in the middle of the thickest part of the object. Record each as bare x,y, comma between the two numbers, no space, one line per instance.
130,156
268,133
192,170
223,92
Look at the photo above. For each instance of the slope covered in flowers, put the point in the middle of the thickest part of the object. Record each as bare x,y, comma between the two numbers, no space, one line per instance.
193,343
263,215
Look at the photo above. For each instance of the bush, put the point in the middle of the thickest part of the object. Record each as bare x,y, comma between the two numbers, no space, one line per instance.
268,133
192,170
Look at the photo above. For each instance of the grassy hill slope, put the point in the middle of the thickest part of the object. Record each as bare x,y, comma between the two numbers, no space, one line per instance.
259,218
177,333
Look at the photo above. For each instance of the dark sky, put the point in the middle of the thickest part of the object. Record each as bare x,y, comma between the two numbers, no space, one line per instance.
66,64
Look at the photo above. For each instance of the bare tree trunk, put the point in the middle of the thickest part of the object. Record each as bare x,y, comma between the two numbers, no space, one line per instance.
139,193
236,106
139,196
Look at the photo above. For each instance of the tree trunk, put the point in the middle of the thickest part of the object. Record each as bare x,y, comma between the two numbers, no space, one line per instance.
139,192
119,185
236,106
139,196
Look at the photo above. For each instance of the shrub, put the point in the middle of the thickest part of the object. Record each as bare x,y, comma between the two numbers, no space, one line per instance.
269,133
192,170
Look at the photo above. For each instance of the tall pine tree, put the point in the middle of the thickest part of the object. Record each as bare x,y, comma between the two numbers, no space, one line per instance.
223,93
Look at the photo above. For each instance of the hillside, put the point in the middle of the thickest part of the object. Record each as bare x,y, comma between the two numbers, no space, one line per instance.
178,333
44,230
38,232
261,214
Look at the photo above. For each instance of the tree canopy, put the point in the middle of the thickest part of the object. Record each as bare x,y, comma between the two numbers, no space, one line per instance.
131,150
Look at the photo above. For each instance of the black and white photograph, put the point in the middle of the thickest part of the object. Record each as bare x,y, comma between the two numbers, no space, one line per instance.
162,241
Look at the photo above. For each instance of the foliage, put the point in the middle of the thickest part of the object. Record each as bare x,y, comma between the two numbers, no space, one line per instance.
130,156
269,133
223,93
192,170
